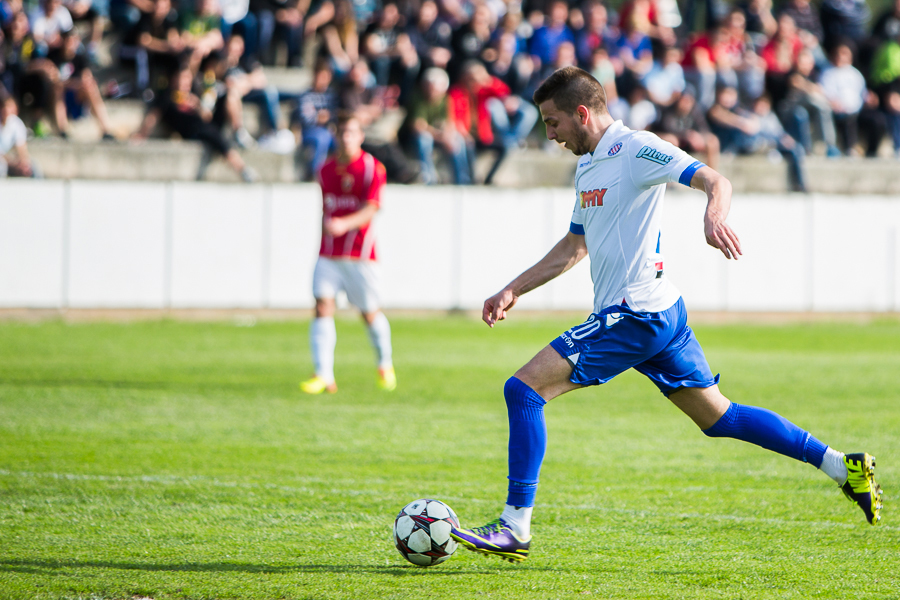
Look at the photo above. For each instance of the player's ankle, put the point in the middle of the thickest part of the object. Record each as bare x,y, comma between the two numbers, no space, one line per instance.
834,466
518,519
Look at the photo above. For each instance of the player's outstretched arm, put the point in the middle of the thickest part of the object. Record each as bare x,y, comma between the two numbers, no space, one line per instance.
338,226
564,255
718,193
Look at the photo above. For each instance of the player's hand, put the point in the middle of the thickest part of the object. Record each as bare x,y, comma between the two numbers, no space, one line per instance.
335,227
721,236
496,306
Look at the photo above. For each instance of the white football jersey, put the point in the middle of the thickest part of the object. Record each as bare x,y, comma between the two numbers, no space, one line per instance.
619,193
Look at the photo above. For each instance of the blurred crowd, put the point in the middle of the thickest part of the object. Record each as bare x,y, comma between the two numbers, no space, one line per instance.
709,76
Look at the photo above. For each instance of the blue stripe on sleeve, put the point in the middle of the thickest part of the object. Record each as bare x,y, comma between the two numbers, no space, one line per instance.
688,173
576,228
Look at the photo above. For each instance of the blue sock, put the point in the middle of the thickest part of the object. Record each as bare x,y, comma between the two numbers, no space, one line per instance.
769,430
527,441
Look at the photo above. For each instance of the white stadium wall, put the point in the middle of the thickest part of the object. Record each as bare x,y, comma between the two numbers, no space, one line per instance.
94,244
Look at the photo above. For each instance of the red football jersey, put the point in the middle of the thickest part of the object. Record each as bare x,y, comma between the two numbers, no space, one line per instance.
346,188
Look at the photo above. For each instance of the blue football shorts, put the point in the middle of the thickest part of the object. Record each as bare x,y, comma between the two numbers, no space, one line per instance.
660,345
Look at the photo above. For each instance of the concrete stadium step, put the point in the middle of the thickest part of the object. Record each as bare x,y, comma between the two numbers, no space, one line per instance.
163,160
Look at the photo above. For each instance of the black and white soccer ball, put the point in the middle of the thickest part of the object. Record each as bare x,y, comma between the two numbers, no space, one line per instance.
422,532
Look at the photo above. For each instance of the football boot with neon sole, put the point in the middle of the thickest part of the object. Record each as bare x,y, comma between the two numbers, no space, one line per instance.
861,487
317,385
493,539
387,379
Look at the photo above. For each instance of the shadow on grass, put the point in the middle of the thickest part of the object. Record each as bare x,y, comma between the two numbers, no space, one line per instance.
42,566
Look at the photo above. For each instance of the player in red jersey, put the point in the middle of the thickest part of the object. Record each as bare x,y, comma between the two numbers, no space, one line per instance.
351,183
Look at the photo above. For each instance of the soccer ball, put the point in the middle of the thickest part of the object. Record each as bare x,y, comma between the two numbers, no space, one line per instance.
422,532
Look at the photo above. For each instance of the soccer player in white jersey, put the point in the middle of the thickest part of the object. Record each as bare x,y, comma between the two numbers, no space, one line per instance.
351,183
639,319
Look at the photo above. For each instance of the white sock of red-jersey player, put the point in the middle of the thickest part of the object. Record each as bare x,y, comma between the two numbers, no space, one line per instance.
322,339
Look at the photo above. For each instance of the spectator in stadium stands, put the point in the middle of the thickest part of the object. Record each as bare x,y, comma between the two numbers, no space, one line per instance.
547,38
83,11
431,35
200,30
634,47
237,19
48,22
702,57
845,88
604,71
741,131
314,119
281,21
888,24
684,125
509,61
805,104
780,56
806,17
182,111
872,123
14,158
155,44
844,19
223,100
665,81
483,110
379,43
16,50
470,40
660,15
125,14
340,37
73,78
427,125
641,112
886,79
596,33
8,9
761,23
245,79
741,66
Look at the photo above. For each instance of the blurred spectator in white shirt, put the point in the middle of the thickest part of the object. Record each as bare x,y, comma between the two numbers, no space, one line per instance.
845,88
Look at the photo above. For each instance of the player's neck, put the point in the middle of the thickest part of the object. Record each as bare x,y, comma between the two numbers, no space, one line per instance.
349,157
599,130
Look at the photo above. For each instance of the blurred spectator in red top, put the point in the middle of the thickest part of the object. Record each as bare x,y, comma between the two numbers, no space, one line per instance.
742,67
480,105
702,58
780,55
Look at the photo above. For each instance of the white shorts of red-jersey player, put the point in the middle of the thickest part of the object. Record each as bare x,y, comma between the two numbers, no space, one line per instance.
359,279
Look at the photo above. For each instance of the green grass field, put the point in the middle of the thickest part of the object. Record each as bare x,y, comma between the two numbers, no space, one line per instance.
178,460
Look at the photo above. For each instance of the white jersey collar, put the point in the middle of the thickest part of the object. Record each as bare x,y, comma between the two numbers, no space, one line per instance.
606,146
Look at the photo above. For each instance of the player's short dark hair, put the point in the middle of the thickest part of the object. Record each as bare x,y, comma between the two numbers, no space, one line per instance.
571,87
345,116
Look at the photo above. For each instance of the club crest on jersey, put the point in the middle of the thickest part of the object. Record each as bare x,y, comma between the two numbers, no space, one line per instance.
347,182
654,155
615,149
592,198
